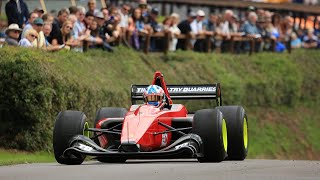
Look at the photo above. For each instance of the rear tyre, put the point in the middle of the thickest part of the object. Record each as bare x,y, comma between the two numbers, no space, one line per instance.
237,125
211,127
109,112
67,125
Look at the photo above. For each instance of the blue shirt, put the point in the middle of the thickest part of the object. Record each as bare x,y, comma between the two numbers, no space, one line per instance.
249,28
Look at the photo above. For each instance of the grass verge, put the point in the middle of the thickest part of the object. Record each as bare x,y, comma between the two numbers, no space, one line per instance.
10,157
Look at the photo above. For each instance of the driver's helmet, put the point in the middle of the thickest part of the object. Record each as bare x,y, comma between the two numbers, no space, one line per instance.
154,95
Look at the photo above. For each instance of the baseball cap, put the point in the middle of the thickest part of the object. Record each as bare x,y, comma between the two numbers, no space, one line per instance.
192,14
155,11
200,13
38,21
99,14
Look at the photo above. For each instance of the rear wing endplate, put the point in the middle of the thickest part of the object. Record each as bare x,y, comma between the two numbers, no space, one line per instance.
183,92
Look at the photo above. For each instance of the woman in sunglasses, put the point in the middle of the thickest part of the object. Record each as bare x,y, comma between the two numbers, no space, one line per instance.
31,35
64,38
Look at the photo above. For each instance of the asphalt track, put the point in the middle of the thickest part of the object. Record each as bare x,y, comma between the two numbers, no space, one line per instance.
167,170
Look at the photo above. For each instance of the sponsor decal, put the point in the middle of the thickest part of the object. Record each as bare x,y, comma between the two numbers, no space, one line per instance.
185,89
181,145
85,147
164,140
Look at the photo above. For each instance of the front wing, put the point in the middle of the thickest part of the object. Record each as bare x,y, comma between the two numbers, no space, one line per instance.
188,146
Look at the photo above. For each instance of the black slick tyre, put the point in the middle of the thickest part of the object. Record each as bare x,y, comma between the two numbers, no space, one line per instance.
211,127
237,126
67,125
109,112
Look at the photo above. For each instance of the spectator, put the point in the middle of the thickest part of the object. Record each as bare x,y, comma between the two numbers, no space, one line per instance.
73,10
105,13
39,11
143,6
92,4
79,28
198,28
124,13
28,26
136,26
175,31
101,28
251,30
47,27
27,41
40,42
57,24
73,18
48,18
227,29
152,22
113,29
17,12
295,41
12,35
185,28
310,41
64,36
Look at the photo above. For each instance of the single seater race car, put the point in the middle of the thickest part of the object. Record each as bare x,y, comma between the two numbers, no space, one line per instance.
150,132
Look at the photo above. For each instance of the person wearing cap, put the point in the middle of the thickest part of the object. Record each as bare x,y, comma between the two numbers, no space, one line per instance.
30,36
32,17
198,28
185,28
39,11
17,12
37,25
13,32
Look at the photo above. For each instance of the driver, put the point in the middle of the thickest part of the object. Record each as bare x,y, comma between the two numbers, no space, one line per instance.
154,95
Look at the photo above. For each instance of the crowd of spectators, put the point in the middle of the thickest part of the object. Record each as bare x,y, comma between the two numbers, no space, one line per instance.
79,28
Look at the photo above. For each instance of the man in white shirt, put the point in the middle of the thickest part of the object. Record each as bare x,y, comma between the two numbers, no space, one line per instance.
197,27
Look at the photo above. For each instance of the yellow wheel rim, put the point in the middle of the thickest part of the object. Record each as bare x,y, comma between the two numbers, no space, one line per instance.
245,133
224,135
85,129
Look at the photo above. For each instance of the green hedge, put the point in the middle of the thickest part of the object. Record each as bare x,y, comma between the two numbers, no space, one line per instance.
36,85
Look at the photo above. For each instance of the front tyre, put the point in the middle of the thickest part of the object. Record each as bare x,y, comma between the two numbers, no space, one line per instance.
211,127
237,125
67,125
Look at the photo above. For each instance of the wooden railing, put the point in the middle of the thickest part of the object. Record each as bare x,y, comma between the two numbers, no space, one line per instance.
207,39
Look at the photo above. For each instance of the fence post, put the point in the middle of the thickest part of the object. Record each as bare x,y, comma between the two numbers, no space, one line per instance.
147,43
167,35
43,5
252,44
73,3
103,3
208,41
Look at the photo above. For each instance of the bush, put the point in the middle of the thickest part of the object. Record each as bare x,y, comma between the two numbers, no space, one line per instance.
36,85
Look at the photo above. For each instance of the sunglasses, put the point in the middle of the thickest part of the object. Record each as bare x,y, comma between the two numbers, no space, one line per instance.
34,36
40,25
16,31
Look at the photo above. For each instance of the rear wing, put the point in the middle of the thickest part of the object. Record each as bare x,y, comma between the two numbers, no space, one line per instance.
183,92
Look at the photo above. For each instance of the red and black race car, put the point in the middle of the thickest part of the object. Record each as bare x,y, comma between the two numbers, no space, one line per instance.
148,132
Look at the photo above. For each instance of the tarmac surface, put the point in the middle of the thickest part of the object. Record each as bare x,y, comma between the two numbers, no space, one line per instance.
167,170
